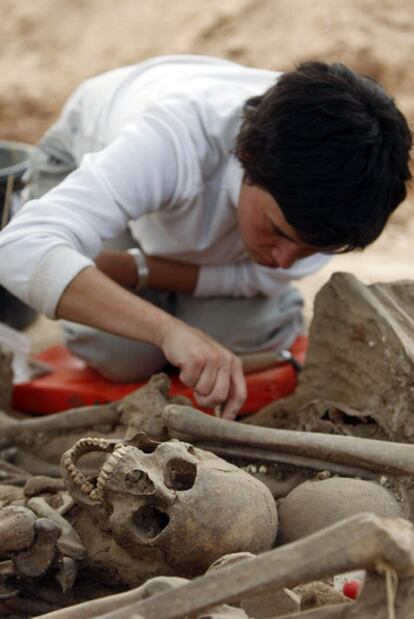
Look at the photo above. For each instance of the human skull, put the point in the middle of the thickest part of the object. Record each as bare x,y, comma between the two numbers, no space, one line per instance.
173,504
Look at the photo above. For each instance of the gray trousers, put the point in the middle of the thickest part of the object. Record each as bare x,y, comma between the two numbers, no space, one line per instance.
243,325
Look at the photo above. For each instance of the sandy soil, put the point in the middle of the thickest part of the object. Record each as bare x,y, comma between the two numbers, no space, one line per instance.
49,46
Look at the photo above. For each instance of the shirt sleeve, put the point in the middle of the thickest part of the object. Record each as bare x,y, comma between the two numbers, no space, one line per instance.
248,279
52,239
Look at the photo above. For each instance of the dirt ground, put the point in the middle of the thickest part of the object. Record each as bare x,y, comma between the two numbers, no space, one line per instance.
49,46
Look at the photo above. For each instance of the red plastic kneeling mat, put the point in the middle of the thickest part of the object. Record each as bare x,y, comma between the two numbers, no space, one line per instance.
72,383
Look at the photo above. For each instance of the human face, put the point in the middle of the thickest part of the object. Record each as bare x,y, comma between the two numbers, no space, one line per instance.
267,236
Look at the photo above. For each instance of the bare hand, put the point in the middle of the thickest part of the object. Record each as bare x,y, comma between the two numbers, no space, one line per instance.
212,371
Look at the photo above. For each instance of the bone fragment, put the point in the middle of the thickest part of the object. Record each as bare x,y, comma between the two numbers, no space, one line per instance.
17,530
188,424
66,574
67,504
41,484
40,557
372,603
96,608
363,541
69,542
266,605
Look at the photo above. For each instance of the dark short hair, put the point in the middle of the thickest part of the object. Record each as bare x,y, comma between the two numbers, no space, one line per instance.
332,148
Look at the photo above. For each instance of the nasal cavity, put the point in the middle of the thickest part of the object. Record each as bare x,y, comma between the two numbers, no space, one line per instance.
150,521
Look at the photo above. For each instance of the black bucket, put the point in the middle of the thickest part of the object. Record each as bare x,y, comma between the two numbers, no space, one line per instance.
14,160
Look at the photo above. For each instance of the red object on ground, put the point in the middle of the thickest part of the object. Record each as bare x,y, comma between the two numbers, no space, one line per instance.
352,588
72,383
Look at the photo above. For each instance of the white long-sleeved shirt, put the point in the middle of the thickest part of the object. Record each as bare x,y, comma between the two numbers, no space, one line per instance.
154,145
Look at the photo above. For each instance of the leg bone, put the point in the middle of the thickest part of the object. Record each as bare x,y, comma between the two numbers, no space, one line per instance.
190,425
20,431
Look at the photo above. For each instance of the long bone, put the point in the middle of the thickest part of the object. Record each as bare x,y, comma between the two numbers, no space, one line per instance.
21,431
136,409
311,449
363,541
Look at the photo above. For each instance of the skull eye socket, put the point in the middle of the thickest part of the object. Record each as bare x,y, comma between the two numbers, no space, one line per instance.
181,474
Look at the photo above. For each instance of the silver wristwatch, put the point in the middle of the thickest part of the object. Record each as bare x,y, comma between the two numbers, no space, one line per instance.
142,267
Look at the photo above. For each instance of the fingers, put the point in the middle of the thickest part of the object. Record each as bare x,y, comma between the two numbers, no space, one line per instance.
215,374
218,391
237,393
229,390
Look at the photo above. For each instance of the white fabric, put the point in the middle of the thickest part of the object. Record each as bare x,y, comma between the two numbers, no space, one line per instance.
154,144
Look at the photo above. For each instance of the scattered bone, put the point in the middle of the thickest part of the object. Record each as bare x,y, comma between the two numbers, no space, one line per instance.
152,503
46,438
68,543
41,484
25,431
361,337
380,457
17,530
267,604
153,587
361,542
11,495
40,557
315,505
129,506
317,594
66,573
142,410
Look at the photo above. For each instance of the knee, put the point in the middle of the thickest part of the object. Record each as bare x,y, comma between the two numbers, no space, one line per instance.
115,358
118,369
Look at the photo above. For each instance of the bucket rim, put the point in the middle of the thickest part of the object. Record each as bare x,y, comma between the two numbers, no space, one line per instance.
17,169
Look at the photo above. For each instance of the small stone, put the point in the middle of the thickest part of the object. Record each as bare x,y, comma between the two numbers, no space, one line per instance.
323,475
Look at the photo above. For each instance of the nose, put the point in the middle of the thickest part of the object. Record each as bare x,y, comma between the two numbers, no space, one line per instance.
286,253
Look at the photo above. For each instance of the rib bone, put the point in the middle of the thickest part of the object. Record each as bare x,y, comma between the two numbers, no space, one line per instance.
384,457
